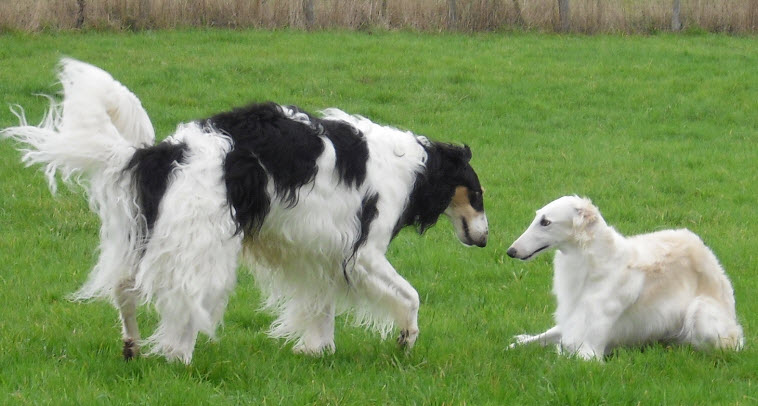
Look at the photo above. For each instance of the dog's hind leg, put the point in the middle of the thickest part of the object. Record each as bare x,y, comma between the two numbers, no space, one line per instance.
386,288
126,301
707,324
318,336
188,271
189,283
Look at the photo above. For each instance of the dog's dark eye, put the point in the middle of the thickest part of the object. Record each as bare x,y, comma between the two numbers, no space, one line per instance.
475,200
544,222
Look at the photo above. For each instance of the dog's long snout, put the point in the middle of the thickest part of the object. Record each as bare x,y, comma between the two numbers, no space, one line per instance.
512,252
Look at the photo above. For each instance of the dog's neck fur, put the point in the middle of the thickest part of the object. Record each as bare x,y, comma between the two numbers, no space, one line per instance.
593,244
580,262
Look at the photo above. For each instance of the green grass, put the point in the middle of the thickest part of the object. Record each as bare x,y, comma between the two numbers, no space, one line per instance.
659,131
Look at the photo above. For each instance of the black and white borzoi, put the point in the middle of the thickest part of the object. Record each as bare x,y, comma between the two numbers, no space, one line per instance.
308,204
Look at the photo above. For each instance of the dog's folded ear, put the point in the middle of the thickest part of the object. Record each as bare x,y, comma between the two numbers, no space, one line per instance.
454,153
586,212
466,153
586,216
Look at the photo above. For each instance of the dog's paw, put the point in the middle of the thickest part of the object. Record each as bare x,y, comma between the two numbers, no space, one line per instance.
523,338
520,339
580,351
314,350
131,349
407,338
589,354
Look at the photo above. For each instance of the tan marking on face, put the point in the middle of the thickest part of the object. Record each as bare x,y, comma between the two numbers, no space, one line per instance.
470,225
461,205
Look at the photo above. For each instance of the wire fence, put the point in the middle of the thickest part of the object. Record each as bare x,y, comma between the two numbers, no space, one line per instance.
579,16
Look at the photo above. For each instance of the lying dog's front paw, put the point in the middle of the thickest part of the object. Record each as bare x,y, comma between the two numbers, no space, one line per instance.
521,339
588,353
407,338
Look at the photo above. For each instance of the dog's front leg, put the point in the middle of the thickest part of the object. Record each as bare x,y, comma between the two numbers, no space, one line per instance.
585,347
587,332
582,349
387,288
551,336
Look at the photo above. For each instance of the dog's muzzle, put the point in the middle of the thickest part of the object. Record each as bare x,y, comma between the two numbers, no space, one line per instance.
475,230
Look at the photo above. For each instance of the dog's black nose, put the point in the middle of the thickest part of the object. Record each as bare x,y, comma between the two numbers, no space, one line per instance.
512,252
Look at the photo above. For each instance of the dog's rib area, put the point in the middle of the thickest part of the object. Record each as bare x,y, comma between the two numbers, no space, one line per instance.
283,144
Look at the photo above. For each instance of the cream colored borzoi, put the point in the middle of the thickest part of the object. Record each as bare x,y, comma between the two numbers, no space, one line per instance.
615,291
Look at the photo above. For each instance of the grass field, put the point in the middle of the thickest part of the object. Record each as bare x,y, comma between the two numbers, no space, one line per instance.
659,131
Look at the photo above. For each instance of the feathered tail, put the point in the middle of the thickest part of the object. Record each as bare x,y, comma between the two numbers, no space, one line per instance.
95,127
89,138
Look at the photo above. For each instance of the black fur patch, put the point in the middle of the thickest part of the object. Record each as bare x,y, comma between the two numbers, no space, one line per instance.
151,168
366,215
286,149
269,143
246,181
350,148
447,167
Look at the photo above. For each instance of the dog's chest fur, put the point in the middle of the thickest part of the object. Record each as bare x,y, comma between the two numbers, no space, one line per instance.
587,283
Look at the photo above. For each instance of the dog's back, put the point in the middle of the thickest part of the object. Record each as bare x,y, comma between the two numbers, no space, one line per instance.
686,295
680,255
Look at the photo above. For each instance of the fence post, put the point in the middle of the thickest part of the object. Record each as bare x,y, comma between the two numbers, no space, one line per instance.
80,14
564,14
452,14
676,21
309,14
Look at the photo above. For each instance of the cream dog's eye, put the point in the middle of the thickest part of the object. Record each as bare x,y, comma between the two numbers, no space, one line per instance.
544,222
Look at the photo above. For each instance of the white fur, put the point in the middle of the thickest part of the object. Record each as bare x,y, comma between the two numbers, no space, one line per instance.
616,291
297,257
186,268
